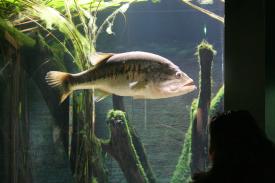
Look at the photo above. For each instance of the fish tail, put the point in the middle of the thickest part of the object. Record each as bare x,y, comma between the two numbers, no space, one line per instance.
62,80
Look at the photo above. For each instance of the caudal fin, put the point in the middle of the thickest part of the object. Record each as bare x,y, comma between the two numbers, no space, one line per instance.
59,79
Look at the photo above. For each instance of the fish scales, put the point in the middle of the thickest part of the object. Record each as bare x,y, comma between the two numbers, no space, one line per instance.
130,65
131,69
127,74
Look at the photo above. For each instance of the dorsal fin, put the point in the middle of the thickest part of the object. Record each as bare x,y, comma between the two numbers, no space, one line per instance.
98,57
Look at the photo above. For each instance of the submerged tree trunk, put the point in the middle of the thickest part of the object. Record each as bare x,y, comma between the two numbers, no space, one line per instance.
118,103
200,134
126,148
142,155
13,116
86,155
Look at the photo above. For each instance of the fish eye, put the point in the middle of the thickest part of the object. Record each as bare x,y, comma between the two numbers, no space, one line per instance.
179,75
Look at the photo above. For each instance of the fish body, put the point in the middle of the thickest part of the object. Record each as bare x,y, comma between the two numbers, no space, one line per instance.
141,75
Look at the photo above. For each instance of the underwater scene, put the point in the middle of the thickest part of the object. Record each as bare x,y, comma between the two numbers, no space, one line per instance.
108,91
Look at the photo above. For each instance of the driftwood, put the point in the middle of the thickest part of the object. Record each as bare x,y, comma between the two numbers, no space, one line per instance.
14,164
126,148
200,134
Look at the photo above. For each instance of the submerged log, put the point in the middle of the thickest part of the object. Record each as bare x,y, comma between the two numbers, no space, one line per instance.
118,103
14,160
125,146
200,134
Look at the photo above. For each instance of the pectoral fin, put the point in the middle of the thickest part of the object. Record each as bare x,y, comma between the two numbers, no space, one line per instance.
100,95
137,85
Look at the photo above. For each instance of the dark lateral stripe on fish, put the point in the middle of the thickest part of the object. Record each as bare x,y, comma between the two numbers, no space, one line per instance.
132,68
115,69
131,64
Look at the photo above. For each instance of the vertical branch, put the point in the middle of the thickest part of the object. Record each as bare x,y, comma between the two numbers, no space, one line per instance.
24,160
14,119
15,114
93,113
200,134
118,103
125,146
209,13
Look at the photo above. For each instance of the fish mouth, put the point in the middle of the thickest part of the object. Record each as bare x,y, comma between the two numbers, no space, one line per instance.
190,86
189,83
187,86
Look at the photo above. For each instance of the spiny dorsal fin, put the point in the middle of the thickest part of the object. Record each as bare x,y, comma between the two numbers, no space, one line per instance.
98,57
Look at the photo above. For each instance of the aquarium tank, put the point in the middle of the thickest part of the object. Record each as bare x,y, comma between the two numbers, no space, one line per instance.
108,91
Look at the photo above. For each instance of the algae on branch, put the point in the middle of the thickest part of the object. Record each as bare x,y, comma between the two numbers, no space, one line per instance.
183,170
126,148
182,173
217,102
21,38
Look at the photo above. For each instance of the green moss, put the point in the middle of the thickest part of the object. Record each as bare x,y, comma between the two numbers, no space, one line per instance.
216,102
115,115
209,51
183,169
94,180
194,107
100,172
21,38
205,45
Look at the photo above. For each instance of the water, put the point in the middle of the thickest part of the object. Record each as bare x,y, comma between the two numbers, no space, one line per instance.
171,29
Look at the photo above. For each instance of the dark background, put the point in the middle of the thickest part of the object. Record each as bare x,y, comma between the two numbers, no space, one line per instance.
249,70
270,73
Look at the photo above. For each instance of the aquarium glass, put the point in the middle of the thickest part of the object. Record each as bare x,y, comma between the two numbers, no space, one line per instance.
44,140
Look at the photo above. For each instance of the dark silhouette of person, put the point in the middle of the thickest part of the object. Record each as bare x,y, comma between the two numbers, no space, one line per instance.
239,151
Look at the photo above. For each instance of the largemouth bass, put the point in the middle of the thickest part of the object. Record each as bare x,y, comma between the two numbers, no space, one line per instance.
140,75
